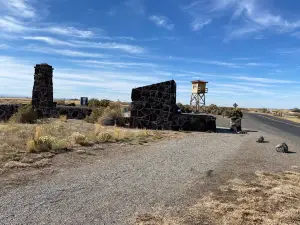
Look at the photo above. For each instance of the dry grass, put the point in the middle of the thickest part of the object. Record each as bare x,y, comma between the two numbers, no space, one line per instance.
18,141
293,119
267,200
15,100
28,101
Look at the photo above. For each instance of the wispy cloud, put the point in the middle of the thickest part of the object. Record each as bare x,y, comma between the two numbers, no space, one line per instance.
117,46
94,63
247,16
19,8
10,24
162,21
199,24
13,25
71,31
265,80
64,52
48,40
4,46
136,5
88,44
288,50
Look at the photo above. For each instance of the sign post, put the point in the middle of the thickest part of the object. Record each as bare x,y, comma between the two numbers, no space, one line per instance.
84,101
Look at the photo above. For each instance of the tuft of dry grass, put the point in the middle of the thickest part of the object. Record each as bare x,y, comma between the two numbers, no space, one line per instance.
63,118
271,198
18,141
81,139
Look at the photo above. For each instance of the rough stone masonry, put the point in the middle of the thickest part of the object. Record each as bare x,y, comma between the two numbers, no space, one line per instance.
42,92
154,107
42,98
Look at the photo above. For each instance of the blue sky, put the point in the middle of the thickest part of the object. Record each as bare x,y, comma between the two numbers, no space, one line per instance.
247,50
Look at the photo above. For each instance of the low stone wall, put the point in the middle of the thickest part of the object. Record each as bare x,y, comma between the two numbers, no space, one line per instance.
6,111
186,122
80,113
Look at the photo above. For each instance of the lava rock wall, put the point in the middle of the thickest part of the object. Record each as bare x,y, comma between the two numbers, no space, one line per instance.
78,113
154,107
6,111
42,92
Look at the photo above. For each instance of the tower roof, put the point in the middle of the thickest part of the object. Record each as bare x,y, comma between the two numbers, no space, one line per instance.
199,81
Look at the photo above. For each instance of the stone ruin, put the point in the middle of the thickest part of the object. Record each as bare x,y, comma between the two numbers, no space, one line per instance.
42,99
6,111
154,107
42,92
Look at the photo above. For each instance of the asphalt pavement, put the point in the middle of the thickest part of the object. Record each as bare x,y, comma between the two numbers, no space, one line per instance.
271,124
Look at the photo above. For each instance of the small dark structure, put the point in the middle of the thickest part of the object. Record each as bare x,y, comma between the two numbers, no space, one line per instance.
154,107
84,101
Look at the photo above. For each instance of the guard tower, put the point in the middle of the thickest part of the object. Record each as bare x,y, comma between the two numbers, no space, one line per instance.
198,95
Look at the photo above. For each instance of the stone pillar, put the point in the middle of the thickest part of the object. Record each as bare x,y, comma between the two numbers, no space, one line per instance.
42,93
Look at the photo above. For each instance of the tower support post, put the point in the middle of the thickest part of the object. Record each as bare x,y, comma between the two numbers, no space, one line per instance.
197,102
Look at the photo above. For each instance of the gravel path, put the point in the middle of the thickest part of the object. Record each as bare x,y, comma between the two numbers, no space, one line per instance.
165,174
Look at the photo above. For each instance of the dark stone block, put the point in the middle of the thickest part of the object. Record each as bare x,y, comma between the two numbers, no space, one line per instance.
160,111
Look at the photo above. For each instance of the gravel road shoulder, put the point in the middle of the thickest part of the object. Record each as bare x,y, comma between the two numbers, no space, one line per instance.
166,176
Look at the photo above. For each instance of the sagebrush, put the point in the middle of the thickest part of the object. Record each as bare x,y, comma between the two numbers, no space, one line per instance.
25,114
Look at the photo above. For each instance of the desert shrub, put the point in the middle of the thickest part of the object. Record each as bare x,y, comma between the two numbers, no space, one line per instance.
25,114
60,102
112,113
214,109
63,118
295,110
157,135
78,138
93,102
264,110
236,113
104,103
184,108
62,111
71,104
41,144
114,105
104,137
95,115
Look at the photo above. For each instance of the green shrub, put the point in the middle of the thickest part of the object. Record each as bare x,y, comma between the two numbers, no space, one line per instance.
104,103
295,110
115,105
113,113
236,113
93,102
25,114
63,111
95,115
184,108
